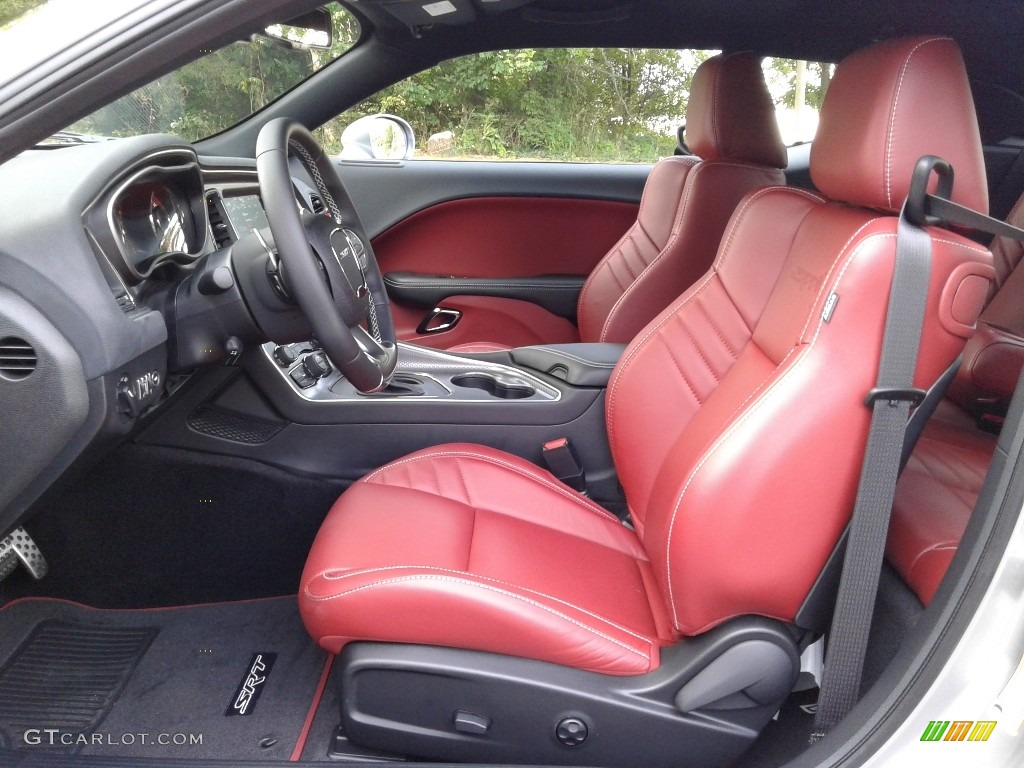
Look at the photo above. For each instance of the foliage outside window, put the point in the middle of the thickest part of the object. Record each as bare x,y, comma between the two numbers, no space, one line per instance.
219,89
592,104
13,9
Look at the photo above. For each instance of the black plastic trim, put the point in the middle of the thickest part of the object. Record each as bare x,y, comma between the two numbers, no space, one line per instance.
558,294
582,365
404,698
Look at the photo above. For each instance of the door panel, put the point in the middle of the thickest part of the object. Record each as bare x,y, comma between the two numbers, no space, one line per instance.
492,220
386,192
505,237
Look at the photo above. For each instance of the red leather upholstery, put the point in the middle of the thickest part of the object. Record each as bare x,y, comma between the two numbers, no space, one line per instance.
994,355
687,201
731,115
890,105
745,462
468,546
737,425
940,485
935,497
504,236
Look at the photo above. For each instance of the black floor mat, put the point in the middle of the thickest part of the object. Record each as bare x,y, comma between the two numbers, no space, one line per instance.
230,681
67,676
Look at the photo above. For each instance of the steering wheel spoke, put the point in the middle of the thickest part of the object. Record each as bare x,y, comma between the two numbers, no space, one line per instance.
334,246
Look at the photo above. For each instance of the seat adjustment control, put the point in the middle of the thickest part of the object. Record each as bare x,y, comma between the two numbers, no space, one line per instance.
467,722
572,732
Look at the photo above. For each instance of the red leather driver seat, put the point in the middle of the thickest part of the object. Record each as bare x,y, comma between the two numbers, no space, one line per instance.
687,201
737,423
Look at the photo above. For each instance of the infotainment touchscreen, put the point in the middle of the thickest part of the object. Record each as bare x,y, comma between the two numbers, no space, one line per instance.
246,213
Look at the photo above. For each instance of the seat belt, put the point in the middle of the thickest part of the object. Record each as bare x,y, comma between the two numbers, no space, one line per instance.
890,402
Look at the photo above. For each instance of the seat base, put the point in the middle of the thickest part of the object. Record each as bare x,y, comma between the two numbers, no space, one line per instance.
704,705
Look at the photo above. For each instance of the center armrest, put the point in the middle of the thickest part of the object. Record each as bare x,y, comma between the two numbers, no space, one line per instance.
582,365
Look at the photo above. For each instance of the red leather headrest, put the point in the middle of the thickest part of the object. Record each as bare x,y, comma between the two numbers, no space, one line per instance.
730,115
888,105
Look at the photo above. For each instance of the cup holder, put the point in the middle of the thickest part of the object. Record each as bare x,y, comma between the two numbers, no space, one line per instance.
495,387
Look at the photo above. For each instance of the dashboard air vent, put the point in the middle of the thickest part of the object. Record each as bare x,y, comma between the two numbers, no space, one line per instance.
317,203
219,226
17,358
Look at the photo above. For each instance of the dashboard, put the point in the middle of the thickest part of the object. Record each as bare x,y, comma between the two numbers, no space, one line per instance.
101,251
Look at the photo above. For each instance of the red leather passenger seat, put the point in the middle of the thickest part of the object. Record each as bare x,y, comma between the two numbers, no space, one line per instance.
939,487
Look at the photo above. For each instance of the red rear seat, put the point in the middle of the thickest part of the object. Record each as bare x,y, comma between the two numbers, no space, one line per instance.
940,485
935,496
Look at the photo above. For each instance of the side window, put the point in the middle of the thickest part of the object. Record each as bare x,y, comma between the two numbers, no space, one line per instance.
582,105
570,105
798,89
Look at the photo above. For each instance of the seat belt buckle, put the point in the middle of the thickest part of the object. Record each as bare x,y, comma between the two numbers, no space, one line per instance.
562,461
896,395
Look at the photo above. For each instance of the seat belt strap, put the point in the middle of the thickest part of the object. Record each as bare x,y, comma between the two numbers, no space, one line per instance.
890,403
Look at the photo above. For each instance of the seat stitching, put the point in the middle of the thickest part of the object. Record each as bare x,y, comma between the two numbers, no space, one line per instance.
676,232
697,349
470,455
691,294
682,373
644,202
637,346
467,582
465,487
437,480
892,116
364,571
716,329
937,548
761,393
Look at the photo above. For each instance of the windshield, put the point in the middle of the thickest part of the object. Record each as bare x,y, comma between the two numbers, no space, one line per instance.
211,93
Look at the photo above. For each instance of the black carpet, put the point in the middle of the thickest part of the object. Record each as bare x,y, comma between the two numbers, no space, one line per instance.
786,736
152,526
168,683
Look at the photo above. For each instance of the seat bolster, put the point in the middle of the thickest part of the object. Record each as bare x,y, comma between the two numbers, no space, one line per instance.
470,611
712,191
638,247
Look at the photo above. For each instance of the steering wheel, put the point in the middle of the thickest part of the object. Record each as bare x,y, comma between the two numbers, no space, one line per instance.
330,267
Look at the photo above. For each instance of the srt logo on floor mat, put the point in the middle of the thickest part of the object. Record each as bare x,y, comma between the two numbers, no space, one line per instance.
249,690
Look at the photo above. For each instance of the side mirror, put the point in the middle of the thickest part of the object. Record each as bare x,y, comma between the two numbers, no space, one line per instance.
378,137
313,30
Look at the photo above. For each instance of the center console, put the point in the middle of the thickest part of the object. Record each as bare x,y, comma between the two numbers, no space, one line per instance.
422,374
288,406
